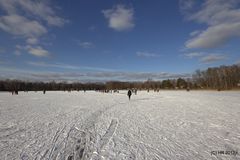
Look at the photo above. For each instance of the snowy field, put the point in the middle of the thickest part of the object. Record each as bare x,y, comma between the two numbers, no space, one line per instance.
169,125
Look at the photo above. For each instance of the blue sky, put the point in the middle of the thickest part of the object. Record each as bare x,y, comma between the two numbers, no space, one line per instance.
90,40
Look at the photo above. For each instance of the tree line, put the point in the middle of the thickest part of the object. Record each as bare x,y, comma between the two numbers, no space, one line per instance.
223,77
220,78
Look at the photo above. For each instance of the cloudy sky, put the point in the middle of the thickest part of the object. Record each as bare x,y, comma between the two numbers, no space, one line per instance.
92,40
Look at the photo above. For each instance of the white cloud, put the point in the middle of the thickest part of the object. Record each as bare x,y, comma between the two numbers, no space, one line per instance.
223,23
214,12
17,52
19,47
186,5
206,58
38,51
67,66
29,20
8,6
56,21
193,54
86,44
194,33
32,40
120,18
41,9
100,76
19,25
147,54
54,65
214,36
211,58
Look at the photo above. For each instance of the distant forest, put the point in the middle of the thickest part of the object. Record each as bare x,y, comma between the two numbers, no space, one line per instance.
218,78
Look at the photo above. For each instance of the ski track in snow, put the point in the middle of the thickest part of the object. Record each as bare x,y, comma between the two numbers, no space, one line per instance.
80,126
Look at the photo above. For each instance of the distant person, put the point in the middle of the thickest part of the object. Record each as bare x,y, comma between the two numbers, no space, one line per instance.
129,94
135,91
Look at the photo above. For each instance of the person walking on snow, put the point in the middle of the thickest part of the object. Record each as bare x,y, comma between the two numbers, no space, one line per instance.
129,94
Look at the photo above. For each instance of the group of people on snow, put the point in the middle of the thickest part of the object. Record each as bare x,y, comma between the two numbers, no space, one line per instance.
129,93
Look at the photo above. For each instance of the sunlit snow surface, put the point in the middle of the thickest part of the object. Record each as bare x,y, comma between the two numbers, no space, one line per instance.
169,125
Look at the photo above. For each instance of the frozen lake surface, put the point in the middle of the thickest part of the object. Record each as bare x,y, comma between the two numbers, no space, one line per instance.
169,125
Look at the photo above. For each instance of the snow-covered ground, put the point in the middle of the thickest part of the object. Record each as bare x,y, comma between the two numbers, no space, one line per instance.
169,125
